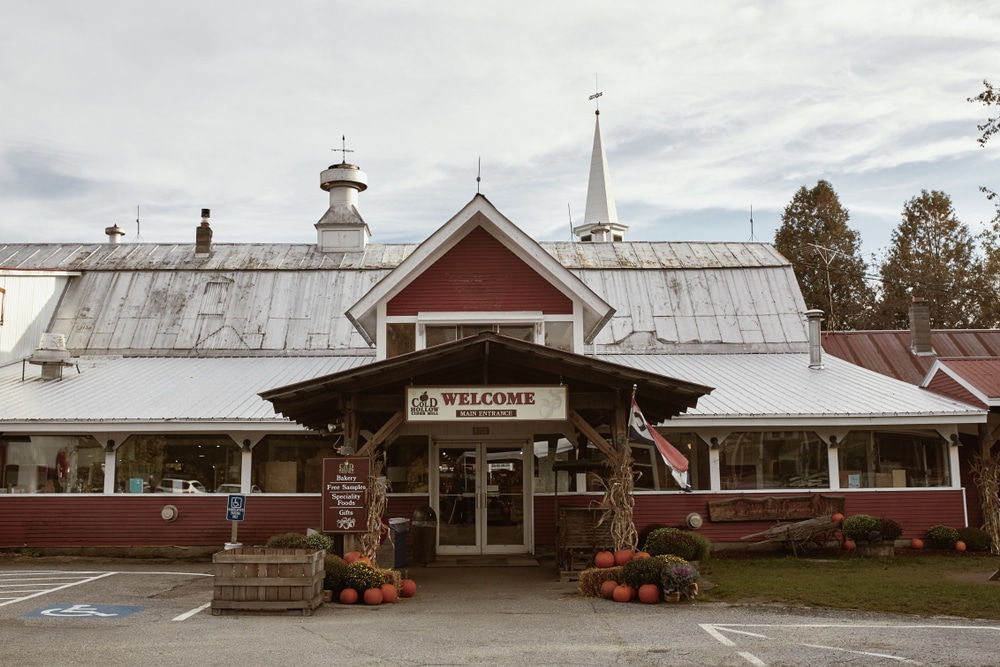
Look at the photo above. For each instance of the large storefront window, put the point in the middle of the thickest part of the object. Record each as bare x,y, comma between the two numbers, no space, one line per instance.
881,459
773,460
291,463
177,464
406,464
651,473
51,464
695,450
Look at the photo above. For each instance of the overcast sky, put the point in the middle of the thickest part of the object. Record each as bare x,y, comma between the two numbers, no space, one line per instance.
708,108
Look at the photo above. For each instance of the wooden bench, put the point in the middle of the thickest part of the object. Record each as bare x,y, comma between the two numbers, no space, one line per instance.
579,537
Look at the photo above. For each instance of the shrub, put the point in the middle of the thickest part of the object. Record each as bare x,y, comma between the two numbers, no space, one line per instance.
672,541
645,532
863,528
975,539
638,572
287,541
361,576
891,530
320,541
704,546
942,537
336,572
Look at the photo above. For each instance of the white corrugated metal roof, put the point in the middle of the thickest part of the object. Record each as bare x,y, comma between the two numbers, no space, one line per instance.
158,389
781,388
288,298
304,256
771,388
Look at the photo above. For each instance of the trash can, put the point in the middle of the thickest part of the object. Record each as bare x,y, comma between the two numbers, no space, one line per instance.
399,526
424,526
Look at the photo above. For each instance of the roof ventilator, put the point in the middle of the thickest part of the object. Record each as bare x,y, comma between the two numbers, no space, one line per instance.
815,320
52,356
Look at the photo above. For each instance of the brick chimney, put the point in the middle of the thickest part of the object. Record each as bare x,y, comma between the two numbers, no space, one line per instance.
203,236
920,327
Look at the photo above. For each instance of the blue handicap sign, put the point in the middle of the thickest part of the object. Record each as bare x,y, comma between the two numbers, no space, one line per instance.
71,610
236,509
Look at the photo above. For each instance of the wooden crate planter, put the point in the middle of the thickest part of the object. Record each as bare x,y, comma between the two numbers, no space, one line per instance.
261,579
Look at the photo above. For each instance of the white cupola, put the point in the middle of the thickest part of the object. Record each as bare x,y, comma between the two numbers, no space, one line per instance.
342,229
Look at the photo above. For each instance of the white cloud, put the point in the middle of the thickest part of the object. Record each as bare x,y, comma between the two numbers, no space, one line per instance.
708,108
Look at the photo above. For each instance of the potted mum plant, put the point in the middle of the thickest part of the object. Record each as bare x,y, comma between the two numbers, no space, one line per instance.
873,536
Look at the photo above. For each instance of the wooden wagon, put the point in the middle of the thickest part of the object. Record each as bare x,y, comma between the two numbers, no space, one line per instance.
800,535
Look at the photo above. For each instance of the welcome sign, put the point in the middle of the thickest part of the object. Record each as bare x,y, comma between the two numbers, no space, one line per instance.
487,403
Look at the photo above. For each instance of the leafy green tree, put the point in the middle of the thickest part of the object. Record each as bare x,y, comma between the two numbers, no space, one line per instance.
826,254
932,255
990,237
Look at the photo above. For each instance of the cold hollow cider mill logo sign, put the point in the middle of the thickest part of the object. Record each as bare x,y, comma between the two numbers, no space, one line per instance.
495,403
345,487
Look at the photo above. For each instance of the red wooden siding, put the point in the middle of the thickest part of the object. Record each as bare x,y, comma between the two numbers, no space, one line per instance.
479,274
915,511
57,520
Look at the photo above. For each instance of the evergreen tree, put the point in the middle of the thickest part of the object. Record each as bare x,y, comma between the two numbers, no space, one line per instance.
932,255
826,255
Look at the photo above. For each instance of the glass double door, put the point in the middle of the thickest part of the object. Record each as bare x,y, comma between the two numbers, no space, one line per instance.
481,497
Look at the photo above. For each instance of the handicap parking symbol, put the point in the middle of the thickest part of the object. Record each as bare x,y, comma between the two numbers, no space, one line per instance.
67,610
237,508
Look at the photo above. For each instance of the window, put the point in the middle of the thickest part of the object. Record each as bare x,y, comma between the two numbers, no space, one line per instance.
176,464
290,463
774,460
883,459
51,464
407,334
406,464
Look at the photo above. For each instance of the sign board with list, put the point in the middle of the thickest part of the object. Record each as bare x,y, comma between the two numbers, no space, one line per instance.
345,491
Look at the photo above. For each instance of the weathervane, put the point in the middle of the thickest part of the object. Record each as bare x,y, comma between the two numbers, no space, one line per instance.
344,150
597,108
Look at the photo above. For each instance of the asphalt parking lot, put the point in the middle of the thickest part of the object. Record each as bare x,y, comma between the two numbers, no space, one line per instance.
111,612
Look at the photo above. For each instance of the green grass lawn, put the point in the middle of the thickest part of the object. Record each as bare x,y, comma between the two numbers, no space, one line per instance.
924,584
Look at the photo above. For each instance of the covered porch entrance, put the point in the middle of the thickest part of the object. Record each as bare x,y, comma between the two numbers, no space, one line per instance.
478,468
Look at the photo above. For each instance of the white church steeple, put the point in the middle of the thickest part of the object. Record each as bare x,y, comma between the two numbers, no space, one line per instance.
600,220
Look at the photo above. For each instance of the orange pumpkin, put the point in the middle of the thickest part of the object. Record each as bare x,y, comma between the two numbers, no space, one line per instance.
604,559
608,589
960,546
389,594
373,596
351,556
917,543
623,593
649,593
407,588
364,559
837,518
348,596
623,556
640,554
848,544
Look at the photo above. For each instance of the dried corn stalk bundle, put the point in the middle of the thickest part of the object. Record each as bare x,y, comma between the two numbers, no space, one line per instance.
619,500
986,473
377,504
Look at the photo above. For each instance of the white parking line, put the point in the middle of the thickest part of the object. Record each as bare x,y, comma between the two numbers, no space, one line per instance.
53,589
188,614
716,630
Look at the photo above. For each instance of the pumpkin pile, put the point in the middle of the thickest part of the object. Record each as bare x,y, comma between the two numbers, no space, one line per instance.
354,579
624,576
